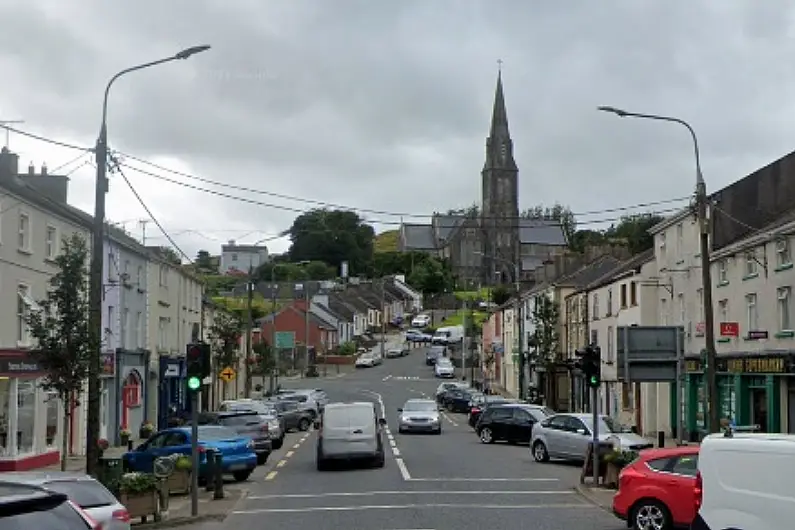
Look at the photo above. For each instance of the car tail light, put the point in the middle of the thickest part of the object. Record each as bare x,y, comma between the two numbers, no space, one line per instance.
123,516
264,428
474,410
201,449
698,492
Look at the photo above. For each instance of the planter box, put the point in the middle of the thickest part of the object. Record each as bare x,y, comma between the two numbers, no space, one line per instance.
611,475
142,505
179,482
336,359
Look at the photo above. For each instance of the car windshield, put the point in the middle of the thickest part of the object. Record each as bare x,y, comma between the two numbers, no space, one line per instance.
366,356
444,362
614,425
240,419
604,426
254,406
419,406
84,493
63,517
211,434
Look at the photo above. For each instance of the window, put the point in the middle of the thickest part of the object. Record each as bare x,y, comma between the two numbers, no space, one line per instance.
51,244
234,257
610,353
140,277
163,276
658,464
700,296
751,312
750,263
23,241
162,334
126,271
609,302
680,236
594,336
686,465
623,296
662,243
633,293
109,326
139,330
784,319
53,422
25,304
723,310
26,414
113,268
595,310
783,252
127,329
627,396
680,302
723,276
663,312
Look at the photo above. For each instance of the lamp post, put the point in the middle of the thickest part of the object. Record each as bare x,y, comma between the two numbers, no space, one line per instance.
706,274
97,261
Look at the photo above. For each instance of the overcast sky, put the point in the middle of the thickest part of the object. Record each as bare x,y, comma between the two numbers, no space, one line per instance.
385,105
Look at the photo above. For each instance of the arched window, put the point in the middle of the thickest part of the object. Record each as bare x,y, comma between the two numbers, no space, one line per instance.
132,390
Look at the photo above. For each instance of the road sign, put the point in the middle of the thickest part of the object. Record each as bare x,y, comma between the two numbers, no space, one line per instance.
163,467
648,354
227,374
285,340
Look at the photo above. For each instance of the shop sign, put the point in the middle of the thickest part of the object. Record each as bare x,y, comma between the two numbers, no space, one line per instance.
19,365
729,329
767,364
700,329
108,364
757,335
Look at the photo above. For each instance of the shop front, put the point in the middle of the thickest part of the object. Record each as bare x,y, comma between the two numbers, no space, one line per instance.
750,389
30,417
172,390
124,393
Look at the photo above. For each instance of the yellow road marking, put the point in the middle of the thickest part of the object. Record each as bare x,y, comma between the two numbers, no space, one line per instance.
281,463
271,475
288,454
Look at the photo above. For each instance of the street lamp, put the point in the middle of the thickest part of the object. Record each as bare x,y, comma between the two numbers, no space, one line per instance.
97,260
706,273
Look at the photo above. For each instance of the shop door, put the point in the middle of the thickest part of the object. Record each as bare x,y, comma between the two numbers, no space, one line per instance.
791,411
759,408
104,412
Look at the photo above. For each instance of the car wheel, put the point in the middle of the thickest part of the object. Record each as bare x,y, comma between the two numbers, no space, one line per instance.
449,407
241,476
540,453
438,431
322,465
303,425
262,458
486,436
650,514
277,443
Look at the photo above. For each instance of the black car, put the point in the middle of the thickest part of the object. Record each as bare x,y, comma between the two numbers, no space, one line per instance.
459,399
24,507
292,416
433,353
482,404
512,422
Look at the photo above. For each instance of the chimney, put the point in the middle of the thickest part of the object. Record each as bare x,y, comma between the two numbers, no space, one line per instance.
231,242
31,169
44,168
9,164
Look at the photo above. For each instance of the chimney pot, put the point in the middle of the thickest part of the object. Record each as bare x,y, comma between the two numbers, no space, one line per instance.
44,168
231,242
31,169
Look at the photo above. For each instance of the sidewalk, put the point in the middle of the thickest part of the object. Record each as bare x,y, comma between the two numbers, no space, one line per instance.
601,497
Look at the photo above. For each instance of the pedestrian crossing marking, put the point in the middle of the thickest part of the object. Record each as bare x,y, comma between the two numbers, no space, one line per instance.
406,378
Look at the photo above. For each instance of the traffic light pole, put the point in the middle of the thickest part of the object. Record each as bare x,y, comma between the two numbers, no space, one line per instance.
595,419
194,453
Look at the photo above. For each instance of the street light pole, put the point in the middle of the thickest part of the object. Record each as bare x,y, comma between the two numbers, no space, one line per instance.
274,379
702,201
97,262
249,327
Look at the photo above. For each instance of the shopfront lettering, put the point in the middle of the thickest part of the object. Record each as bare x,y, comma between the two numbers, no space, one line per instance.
692,366
766,365
22,367
745,365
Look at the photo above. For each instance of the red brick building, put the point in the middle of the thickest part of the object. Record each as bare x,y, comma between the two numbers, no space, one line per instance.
292,318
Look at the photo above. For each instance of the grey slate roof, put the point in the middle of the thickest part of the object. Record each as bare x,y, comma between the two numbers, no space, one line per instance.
339,306
589,273
319,321
330,311
541,231
634,262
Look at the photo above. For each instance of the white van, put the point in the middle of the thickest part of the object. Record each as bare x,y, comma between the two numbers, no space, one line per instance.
448,335
745,481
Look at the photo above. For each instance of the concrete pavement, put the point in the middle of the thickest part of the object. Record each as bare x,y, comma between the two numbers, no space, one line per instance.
429,482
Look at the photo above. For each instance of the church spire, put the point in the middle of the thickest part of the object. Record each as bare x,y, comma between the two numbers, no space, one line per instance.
499,116
499,147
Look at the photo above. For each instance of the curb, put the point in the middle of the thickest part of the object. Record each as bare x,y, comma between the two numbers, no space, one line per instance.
586,493
181,521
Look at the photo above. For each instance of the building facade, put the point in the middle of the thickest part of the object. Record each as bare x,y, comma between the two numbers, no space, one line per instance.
240,259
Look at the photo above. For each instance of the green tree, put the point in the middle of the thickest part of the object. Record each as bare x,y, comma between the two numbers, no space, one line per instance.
262,359
204,263
431,277
170,255
500,294
634,231
64,345
546,339
559,213
332,236
225,333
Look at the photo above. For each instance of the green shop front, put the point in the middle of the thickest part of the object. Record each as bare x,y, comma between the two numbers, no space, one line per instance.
753,389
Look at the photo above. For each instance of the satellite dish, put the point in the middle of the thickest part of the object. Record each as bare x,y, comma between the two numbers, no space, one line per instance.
163,467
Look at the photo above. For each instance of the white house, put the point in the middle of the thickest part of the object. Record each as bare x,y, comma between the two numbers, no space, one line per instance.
320,306
239,259
413,296
509,371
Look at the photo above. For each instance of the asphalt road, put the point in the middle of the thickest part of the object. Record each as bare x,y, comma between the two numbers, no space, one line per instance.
429,482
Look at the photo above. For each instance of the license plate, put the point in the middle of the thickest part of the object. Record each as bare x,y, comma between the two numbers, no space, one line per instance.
237,467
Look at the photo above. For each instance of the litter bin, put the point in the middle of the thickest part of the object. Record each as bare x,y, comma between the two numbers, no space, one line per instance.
111,470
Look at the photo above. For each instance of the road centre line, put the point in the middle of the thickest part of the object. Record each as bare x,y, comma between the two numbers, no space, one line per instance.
288,454
436,506
406,492
484,479
448,418
271,475
387,378
283,462
404,471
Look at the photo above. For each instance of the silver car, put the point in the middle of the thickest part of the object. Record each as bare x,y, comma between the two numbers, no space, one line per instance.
566,437
276,428
444,368
350,431
87,493
419,415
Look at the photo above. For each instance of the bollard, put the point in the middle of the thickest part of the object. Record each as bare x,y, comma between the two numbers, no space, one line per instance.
210,486
218,476
129,445
661,439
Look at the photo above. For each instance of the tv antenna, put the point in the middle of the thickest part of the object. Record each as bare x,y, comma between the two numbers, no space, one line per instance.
8,131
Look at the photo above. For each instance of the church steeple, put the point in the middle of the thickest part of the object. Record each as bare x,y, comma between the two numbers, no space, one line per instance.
499,146
499,116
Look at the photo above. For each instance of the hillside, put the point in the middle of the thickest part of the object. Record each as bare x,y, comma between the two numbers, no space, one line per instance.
386,241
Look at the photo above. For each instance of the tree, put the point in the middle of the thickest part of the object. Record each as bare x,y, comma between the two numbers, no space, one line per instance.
332,236
170,255
634,230
559,213
262,364
293,272
473,210
546,340
225,333
64,345
500,294
431,277
204,263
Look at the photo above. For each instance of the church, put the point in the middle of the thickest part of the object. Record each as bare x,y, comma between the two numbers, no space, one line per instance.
484,247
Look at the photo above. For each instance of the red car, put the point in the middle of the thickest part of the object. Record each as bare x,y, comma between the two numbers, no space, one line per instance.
656,490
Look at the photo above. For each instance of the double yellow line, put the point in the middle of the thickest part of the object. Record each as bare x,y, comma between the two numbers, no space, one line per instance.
283,462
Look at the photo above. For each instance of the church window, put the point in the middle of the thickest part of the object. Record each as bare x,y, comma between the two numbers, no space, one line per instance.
503,152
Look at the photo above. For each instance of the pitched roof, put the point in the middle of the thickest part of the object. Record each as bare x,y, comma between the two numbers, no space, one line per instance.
589,273
357,302
341,307
330,311
417,237
634,262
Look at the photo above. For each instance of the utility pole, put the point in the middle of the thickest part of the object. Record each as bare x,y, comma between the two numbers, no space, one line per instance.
142,223
306,331
8,131
249,328
383,319
464,344
274,379
518,312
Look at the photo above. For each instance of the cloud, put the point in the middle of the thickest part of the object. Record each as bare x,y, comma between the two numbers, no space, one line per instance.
385,105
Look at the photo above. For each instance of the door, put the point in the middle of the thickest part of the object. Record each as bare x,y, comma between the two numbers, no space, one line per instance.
500,422
105,411
522,426
143,458
791,411
681,480
555,434
759,408
175,443
577,442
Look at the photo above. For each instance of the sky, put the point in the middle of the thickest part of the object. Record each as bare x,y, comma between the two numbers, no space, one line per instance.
385,106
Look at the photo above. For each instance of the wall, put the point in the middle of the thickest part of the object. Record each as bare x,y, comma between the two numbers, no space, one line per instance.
509,370
241,258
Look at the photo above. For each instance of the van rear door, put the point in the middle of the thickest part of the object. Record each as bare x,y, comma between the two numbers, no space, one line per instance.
350,430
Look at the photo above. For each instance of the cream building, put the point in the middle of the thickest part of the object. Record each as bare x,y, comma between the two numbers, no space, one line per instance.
509,371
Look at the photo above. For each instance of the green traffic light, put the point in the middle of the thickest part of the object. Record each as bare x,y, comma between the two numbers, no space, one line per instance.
194,383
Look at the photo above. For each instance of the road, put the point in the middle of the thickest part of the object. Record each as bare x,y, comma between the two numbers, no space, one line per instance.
429,482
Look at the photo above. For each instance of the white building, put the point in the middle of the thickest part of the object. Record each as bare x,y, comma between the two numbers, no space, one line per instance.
239,259
509,371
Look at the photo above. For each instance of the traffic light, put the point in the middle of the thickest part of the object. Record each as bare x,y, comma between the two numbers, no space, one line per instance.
590,362
197,357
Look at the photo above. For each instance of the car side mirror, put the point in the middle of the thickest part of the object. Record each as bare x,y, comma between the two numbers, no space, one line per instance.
400,410
382,422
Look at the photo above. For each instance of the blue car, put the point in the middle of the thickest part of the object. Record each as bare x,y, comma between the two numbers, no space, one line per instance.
239,458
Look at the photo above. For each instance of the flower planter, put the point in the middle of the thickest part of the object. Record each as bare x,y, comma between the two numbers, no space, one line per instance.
124,439
178,483
611,475
141,504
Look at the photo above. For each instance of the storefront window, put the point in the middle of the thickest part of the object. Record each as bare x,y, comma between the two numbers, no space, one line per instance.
26,415
54,415
5,409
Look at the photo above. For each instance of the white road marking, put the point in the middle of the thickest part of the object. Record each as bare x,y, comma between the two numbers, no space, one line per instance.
448,418
561,506
387,378
404,378
395,452
484,479
406,492
404,471
296,446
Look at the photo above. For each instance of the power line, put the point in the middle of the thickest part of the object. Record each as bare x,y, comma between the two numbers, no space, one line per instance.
46,139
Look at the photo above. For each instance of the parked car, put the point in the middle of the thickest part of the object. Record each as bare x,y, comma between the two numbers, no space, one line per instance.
482,403
431,355
511,422
394,353
253,426
657,489
413,335
566,436
445,387
276,429
444,368
419,415
86,492
306,401
26,507
239,459
421,321
365,360
459,399
350,431
293,417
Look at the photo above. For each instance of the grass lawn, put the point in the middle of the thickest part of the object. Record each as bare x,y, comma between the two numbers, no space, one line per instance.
482,294
457,318
239,302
